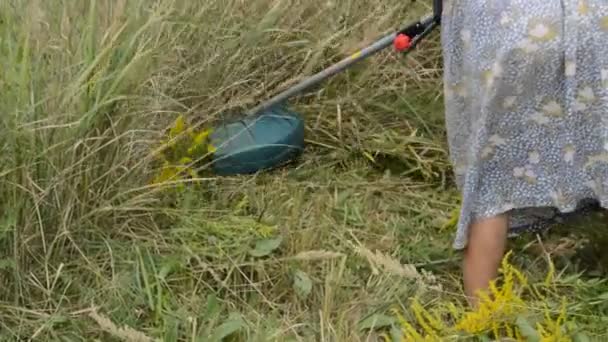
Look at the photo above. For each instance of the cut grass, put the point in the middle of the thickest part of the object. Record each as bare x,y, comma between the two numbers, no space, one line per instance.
90,250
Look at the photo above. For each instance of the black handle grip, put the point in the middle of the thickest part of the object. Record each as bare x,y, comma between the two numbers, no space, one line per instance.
437,10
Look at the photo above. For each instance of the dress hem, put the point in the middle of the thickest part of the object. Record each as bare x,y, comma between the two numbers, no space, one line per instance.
565,210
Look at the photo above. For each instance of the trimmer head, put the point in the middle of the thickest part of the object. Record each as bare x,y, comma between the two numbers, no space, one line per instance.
256,143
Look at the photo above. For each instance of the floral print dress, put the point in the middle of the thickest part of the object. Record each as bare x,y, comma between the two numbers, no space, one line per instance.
526,91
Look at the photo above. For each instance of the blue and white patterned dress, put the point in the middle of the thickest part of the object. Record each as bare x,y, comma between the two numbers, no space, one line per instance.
526,88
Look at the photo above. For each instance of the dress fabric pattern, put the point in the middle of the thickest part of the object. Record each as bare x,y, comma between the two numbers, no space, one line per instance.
526,98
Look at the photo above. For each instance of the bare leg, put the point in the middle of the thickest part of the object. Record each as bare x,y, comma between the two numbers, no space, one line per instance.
484,252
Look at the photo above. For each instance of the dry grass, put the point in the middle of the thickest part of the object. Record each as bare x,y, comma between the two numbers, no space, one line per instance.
124,333
89,86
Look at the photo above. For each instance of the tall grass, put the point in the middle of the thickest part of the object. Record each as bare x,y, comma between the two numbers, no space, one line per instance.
89,246
68,134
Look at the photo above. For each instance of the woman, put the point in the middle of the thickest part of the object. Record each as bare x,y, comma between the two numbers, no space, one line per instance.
526,86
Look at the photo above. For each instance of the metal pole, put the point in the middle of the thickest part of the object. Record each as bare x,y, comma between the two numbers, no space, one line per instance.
319,77
413,31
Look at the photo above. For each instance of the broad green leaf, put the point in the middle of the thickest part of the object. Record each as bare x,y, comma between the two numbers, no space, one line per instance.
265,247
168,267
396,333
376,321
213,306
171,329
302,284
527,330
580,337
577,335
234,323
485,338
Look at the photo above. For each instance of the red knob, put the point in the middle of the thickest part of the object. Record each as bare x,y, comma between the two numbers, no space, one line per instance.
402,42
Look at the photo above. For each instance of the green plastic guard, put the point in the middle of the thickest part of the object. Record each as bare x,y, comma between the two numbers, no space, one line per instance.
258,143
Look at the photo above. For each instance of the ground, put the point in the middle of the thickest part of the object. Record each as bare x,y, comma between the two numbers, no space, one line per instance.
338,246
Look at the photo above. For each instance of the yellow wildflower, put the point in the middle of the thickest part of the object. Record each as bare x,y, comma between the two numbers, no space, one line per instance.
201,137
503,305
185,161
178,127
551,331
180,149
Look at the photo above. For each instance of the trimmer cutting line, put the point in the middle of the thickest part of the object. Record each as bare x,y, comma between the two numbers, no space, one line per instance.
270,134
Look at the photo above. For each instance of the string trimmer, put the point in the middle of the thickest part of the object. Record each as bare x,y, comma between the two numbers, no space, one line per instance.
271,134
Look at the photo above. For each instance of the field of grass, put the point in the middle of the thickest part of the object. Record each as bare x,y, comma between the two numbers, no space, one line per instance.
347,244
